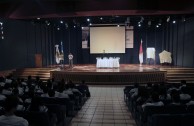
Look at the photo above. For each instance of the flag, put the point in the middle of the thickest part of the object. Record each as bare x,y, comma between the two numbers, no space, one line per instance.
57,53
141,53
61,47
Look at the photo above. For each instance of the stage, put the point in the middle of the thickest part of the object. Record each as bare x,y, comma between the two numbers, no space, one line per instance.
125,74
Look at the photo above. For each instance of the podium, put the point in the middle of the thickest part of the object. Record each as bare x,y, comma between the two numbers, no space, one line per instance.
38,60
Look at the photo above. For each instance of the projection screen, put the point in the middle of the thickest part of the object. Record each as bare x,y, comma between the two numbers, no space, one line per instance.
107,39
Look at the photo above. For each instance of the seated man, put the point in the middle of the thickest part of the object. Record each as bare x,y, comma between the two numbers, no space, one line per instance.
154,101
9,119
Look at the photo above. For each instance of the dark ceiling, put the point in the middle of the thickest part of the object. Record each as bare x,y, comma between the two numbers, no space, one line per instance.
28,9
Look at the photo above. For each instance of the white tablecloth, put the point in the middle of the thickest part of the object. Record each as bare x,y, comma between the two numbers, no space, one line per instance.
107,62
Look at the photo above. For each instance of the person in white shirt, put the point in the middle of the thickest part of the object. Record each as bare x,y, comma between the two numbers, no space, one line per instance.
2,81
184,95
155,101
7,90
70,57
10,119
2,97
175,98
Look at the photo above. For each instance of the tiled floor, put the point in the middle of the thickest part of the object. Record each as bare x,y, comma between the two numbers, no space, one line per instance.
106,107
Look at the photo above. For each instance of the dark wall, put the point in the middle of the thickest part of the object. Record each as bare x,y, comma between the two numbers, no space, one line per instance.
176,38
23,39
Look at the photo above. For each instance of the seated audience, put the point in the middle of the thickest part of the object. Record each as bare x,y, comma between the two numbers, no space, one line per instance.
51,93
9,119
2,81
134,91
2,97
173,87
184,95
45,92
163,94
154,101
37,106
7,90
190,103
175,98
60,94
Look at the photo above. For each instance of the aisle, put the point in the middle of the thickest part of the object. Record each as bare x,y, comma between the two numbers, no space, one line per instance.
106,107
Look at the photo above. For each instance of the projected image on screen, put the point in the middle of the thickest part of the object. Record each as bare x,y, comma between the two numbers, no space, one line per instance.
107,40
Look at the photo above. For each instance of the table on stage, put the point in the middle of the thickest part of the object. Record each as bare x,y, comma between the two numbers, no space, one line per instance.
107,62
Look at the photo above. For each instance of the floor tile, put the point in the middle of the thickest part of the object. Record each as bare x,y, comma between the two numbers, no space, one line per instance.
105,107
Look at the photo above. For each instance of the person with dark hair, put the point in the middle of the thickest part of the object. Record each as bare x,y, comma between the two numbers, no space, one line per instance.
30,96
143,95
2,97
45,92
175,97
51,93
8,79
163,94
49,84
15,92
54,83
2,81
6,90
37,106
154,101
184,95
173,87
61,94
10,119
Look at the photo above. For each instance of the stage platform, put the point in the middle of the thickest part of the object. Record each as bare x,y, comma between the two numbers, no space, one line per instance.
125,74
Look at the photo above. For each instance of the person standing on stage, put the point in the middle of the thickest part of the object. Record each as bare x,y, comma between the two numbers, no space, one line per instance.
70,56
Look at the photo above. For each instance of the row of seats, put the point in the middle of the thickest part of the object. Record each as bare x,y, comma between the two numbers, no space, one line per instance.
60,109
167,115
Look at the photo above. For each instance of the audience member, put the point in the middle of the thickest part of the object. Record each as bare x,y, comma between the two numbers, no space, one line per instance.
175,97
184,95
154,101
9,119
36,105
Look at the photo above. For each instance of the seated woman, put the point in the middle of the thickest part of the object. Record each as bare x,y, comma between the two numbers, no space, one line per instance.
154,101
